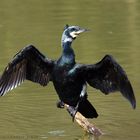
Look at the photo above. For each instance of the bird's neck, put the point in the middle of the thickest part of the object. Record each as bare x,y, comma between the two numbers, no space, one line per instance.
68,55
67,49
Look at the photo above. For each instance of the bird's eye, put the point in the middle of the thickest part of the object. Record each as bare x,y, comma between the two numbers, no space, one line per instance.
72,29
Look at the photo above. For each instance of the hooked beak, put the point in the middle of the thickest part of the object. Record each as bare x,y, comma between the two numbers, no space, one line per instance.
81,31
74,34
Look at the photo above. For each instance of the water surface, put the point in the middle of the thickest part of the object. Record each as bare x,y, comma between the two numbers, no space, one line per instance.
29,112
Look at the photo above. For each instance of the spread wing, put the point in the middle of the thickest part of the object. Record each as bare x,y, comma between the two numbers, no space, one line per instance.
108,76
28,64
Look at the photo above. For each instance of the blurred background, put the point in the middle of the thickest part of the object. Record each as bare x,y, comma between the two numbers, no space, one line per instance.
29,112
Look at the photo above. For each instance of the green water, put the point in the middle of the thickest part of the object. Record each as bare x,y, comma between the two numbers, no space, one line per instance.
29,112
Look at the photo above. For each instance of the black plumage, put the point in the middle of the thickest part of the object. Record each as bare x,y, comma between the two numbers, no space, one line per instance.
69,78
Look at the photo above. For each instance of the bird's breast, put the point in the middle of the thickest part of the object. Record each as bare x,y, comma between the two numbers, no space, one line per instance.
68,85
63,77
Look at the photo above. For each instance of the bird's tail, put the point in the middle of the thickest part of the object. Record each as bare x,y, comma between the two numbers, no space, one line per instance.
87,110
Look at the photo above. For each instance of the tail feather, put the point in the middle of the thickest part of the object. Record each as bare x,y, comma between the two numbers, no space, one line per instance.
87,110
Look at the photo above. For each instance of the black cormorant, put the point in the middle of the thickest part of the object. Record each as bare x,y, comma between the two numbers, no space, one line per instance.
69,78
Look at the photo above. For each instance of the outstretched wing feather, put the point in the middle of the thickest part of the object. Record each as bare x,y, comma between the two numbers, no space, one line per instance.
28,64
108,76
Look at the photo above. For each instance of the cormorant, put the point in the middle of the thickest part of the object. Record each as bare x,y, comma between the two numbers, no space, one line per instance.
70,79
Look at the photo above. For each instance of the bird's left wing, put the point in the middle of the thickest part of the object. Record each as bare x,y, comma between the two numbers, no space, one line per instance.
28,64
108,76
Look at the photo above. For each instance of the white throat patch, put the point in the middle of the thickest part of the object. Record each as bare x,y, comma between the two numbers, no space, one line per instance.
74,34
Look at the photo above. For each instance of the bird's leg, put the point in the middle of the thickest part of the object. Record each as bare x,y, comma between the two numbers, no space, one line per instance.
60,104
75,109
83,95
72,111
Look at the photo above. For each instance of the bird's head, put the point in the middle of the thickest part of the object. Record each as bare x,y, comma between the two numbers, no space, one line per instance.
71,32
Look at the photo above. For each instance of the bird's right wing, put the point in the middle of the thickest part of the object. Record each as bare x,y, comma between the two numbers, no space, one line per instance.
28,64
108,76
